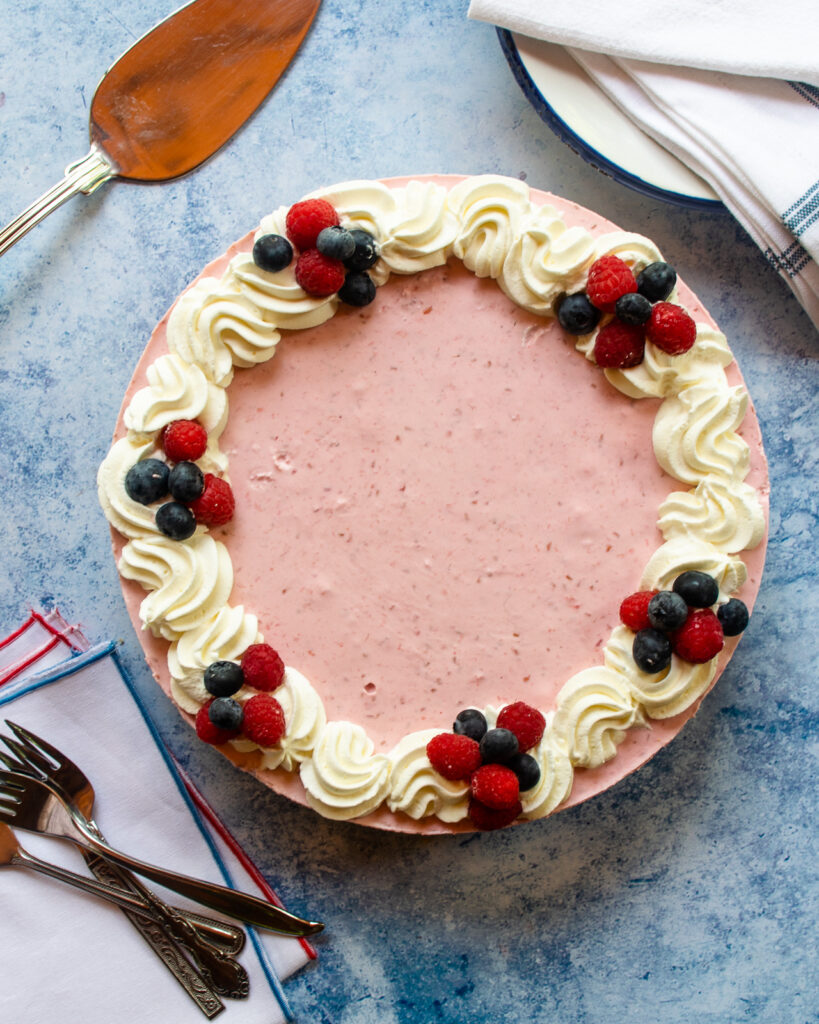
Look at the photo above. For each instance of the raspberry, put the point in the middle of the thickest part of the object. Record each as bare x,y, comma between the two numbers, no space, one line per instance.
263,720
262,667
216,505
618,346
184,440
495,786
305,220
488,818
526,722
634,610
671,329
700,639
609,278
210,733
319,275
454,757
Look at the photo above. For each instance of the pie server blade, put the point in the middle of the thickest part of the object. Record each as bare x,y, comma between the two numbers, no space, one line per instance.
178,94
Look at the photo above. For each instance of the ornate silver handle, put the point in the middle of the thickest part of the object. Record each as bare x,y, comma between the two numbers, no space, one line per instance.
239,905
83,175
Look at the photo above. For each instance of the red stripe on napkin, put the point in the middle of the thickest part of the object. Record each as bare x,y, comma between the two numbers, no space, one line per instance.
61,633
232,843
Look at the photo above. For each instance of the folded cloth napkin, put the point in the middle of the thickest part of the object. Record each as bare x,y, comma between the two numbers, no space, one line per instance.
69,957
755,140
742,37
753,135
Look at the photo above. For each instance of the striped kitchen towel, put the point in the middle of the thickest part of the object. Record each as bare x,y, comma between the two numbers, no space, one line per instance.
720,88
754,140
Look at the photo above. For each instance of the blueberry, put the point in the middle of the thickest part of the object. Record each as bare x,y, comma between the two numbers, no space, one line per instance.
527,770
733,616
223,678
186,481
336,243
633,308
697,589
498,746
667,611
651,650
366,251
358,289
226,713
147,481
272,252
657,281
470,722
577,315
175,520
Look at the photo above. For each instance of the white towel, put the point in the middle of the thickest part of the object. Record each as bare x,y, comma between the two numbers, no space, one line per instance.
742,37
755,140
69,958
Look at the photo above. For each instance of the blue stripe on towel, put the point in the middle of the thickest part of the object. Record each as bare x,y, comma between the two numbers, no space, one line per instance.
807,92
801,214
791,262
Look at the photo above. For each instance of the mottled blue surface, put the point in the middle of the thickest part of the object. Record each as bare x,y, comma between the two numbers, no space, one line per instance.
688,892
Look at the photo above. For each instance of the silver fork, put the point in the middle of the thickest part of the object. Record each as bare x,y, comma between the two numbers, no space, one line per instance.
35,806
222,973
12,854
37,758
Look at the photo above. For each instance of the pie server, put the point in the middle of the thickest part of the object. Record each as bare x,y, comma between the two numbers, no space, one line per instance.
178,94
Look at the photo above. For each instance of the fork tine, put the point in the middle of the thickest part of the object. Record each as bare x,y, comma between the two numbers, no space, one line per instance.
11,781
29,756
11,794
31,741
9,763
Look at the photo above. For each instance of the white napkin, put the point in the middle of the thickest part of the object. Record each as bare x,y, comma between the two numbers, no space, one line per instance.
743,37
755,140
68,957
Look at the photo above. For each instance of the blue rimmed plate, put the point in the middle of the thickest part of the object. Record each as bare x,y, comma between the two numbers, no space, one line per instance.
583,117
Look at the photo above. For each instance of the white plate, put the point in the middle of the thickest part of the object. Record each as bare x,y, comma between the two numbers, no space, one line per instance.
585,118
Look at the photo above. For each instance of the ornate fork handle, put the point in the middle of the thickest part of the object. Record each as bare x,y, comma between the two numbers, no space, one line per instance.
198,988
225,975
238,905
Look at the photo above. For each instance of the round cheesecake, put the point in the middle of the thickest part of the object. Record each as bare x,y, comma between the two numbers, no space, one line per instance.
441,500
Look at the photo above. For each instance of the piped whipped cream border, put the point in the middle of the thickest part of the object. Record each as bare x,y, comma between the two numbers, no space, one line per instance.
492,225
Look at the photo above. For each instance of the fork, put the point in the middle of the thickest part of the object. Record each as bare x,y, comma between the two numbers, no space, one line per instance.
35,806
222,973
12,854
39,759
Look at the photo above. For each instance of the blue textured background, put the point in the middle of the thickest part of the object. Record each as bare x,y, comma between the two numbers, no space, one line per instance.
688,892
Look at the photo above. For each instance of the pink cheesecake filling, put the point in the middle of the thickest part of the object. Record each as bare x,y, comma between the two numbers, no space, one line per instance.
440,504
